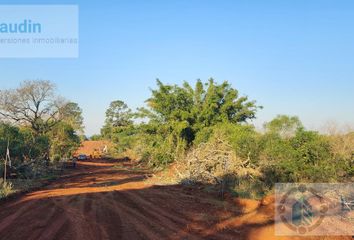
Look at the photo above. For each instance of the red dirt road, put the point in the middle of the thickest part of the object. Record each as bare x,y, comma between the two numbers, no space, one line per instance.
97,201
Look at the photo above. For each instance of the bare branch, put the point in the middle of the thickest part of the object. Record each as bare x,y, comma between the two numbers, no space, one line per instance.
33,103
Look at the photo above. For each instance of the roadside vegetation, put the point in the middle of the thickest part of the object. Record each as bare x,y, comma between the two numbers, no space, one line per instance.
199,134
203,134
39,128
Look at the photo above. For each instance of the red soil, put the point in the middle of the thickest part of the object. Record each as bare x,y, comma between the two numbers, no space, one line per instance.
87,147
96,201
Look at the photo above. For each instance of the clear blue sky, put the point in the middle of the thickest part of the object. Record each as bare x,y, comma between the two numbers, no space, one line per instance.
293,57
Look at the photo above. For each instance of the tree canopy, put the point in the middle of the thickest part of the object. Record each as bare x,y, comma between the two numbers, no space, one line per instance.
190,109
118,114
41,122
285,126
33,103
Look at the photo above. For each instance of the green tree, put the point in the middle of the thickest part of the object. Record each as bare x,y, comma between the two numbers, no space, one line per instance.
12,135
306,156
283,125
24,144
71,114
65,135
46,121
63,140
186,110
118,115
176,114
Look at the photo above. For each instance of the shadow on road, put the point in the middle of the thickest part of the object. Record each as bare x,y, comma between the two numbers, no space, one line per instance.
99,202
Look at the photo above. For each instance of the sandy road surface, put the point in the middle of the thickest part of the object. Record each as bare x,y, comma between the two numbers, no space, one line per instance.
96,201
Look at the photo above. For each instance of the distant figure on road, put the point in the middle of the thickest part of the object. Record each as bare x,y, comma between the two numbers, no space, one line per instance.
105,149
74,162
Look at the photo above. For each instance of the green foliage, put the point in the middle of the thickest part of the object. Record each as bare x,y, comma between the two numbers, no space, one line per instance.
42,122
158,151
13,136
243,138
64,140
157,145
37,146
182,121
96,137
177,115
64,136
311,147
188,110
284,126
124,137
23,143
72,116
118,116
303,157
30,151
6,188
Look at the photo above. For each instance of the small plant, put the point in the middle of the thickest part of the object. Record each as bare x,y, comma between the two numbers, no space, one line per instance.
6,188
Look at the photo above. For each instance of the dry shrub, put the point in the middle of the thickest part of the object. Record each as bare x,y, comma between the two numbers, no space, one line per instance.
342,145
6,188
213,162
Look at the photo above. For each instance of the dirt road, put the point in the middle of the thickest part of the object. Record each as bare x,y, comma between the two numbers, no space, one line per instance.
97,201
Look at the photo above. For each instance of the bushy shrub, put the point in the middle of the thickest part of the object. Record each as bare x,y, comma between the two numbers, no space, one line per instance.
342,150
23,144
158,151
303,157
243,139
297,156
6,188
31,169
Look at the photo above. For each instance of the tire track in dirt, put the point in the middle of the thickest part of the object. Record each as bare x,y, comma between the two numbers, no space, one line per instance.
96,201
134,223
45,213
156,217
14,214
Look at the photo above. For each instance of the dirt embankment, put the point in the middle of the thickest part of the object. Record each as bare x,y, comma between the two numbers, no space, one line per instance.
97,201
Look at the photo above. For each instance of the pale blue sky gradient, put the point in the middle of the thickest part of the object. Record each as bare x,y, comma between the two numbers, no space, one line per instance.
293,57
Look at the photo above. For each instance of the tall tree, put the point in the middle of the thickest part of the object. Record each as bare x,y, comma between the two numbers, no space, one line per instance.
34,103
63,140
186,110
64,136
118,114
71,114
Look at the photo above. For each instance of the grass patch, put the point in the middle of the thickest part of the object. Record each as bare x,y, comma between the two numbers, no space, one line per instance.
6,188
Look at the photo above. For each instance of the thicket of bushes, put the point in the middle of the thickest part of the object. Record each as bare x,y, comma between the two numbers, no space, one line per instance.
205,131
39,128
